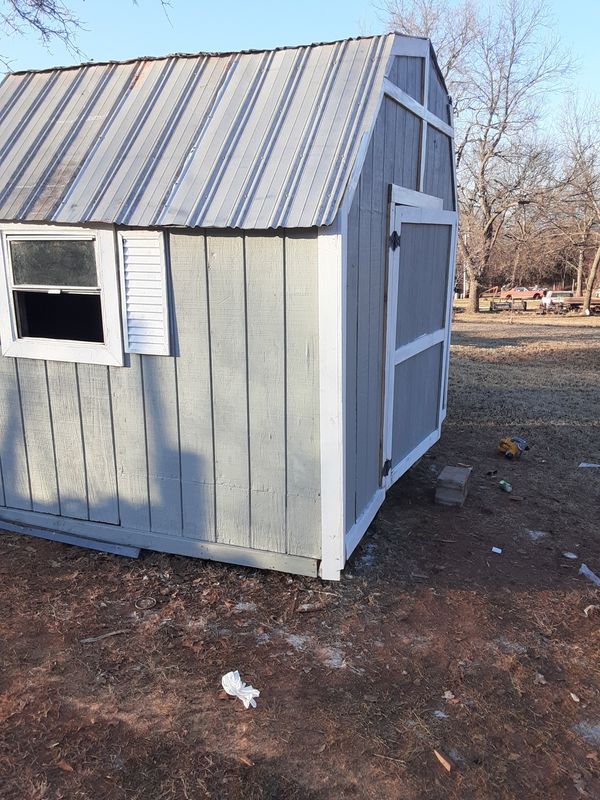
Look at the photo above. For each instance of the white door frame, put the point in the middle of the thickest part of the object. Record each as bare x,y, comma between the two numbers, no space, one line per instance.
429,213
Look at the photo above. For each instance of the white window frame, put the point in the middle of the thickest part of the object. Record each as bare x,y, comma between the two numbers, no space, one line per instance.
109,352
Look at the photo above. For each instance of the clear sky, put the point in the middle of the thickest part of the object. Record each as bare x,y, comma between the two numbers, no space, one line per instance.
118,29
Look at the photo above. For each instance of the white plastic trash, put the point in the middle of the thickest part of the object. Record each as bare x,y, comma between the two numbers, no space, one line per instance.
235,686
587,573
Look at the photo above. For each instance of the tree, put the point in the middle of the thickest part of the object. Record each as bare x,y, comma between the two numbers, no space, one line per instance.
52,20
581,184
500,63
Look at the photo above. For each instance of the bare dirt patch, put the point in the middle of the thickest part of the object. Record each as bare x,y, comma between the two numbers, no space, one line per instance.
430,641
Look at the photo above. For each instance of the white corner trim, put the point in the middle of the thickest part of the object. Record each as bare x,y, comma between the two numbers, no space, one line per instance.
332,320
414,455
358,530
408,102
417,346
110,352
408,197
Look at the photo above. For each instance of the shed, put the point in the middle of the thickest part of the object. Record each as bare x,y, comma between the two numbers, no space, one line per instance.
225,296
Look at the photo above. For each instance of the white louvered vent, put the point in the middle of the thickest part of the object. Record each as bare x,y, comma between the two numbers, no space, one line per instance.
144,292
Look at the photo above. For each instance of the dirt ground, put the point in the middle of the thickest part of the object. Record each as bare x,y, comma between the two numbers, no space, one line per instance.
429,642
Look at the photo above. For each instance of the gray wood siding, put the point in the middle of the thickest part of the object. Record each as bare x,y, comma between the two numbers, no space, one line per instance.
392,157
439,179
423,281
218,443
420,408
438,101
407,73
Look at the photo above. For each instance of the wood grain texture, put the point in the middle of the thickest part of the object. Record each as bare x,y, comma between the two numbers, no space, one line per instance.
96,419
130,444
226,287
266,390
194,381
162,440
35,408
13,455
302,405
68,439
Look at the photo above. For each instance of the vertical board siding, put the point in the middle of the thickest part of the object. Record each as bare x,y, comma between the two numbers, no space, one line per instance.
438,168
265,303
302,402
191,326
407,74
226,287
68,439
96,419
438,101
392,157
162,440
217,442
365,278
35,408
128,405
13,455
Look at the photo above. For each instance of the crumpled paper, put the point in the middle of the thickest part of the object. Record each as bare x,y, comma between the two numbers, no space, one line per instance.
235,686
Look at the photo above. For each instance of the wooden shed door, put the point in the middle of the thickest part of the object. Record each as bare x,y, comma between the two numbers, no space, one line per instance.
419,307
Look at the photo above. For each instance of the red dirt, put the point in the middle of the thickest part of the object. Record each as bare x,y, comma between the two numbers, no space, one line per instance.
352,687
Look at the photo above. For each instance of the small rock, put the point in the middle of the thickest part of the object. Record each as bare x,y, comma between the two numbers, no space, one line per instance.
570,555
539,679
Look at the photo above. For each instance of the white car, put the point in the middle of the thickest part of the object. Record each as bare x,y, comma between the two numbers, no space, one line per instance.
553,298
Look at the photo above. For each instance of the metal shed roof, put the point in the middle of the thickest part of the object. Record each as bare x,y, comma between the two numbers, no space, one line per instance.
247,140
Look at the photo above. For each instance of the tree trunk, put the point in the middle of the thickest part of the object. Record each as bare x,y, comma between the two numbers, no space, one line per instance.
590,282
474,290
579,289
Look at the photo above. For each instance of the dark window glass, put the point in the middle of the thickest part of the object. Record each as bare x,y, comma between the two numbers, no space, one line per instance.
53,263
77,317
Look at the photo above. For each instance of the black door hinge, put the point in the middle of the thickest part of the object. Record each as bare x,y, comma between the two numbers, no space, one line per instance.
395,240
387,465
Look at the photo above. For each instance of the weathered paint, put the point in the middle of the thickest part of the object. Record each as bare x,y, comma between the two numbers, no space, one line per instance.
218,443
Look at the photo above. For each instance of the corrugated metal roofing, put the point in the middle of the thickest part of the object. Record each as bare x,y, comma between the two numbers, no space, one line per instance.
242,140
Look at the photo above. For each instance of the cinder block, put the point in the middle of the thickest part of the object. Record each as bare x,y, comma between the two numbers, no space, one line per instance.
453,486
